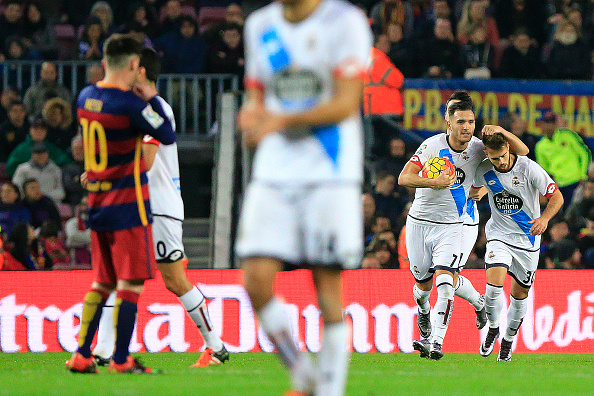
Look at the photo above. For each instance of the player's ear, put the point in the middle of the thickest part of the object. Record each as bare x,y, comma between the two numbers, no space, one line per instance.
134,62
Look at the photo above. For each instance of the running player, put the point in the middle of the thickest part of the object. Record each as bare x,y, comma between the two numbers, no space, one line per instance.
305,61
514,183
113,121
168,214
434,223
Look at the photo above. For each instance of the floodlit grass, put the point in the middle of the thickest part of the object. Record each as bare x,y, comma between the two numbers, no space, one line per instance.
261,374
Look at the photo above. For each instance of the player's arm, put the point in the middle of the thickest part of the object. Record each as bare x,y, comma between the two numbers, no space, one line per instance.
516,145
477,193
409,177
149,152
540,224
150,117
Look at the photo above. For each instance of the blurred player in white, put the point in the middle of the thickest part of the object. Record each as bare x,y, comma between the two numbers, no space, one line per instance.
168,215
434,226
514,184
305,61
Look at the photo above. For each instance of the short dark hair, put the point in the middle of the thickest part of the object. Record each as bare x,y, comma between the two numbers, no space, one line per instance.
150,60
494,141
461,96
118,47
461,105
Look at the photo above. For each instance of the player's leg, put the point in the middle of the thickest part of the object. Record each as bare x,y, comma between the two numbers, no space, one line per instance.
464,288
105,334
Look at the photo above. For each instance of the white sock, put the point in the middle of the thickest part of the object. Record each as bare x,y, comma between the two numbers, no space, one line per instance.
194,302
106,333
443,307
333,361
465,290
515,316
422,299
493,304
275,322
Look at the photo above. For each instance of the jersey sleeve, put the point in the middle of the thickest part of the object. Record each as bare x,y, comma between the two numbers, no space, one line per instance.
352,51
148,139
541,180
253,74
422,155
151,119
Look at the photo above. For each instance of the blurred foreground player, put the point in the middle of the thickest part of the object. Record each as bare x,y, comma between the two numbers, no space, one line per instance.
113,121
305,61
168,215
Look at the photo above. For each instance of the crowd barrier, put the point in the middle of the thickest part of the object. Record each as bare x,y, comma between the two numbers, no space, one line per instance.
40,312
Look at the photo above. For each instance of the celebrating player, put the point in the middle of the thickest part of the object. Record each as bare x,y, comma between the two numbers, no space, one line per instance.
434,223
168,214
113,121
305,61
514,185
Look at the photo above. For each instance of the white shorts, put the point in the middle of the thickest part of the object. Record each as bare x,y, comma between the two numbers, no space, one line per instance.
469,235
302,225
521,264
432,246
167,237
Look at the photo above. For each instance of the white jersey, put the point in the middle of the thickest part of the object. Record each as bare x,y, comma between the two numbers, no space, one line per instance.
294,64
163,177
514,197
448,205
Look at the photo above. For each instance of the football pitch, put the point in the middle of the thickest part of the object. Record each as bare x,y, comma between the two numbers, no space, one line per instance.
261,374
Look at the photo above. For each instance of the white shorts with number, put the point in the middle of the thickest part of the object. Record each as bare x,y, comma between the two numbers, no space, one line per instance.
432,246
167,237
521,264
314,224
469,235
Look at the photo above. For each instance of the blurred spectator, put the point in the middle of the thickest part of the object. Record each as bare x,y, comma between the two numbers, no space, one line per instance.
183,51
91,42
227,56
16,51
27,249
521,14
515,124
440,9
370,261
569,58
52,244
583,203
563,254
39,34
44,170
577,194
474,13
394,162
7,261
138,32
386,202
22,152
42,208
13,131
103,11
586,241
233,14
477,56
173,17
95,73
400,52
9,94
78,235
392,11
76,12
368,204
521,59
439,54
57,115
46,88
71,173
564,155
11,23
138,13
12,209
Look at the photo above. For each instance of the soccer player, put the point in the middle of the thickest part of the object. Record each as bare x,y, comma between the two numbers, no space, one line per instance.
514,185
113,121
168,214
434,223
305,61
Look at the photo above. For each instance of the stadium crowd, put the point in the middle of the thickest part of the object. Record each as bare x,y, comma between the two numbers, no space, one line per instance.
42,204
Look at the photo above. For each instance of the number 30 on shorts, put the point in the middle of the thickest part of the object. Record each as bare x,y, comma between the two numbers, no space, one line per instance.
94,133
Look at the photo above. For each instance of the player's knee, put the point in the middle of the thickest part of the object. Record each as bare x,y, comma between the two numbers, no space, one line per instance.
445,285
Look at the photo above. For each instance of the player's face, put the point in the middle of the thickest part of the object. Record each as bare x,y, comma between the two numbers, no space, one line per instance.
462,125
500,158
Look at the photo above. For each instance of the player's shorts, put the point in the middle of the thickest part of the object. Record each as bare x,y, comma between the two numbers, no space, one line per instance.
521,264
469,235
167,236
302,225
123,255
431,247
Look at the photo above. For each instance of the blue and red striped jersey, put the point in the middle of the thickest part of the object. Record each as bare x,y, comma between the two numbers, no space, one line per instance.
113,121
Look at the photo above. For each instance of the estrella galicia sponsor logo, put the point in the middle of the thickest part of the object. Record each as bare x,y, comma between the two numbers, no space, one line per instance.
507,203
297,88
460,176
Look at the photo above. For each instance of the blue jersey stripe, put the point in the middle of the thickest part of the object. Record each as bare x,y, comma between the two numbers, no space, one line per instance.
470,208
457,190
275,48
330,138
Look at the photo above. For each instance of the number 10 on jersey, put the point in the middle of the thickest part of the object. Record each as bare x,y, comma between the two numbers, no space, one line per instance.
94,133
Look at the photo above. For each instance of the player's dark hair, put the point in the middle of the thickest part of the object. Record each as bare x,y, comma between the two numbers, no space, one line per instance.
118,48
150,60
494,141
461,96
461,105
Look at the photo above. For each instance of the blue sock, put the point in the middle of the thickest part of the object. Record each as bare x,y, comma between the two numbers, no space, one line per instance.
125,310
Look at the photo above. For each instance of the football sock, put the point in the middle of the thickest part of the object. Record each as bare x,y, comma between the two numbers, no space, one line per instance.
515,316
106,331
275,322
195,303
124,312
465,290
443,307
333,360
493,304
92,308
422,299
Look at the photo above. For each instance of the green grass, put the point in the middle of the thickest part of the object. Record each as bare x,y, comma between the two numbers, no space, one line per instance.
261,374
